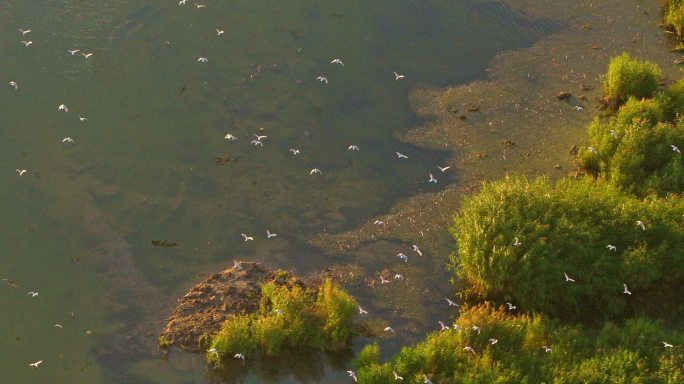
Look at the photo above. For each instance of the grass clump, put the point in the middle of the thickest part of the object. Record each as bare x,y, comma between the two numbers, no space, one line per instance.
673,17
628,77
566,228
629,352
290,316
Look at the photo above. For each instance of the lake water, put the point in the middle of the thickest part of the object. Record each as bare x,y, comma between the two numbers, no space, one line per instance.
151,162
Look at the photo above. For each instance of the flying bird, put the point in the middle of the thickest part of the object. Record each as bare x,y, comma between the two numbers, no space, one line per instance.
24,31
626,291
675,149
32,294
14,85
451,302
315,170
403,257
469,349
247,238
352,374
389,329
237,264
67,140
294,151
269,234
493,341
21,172
219,32
511,306
516,242
443,327
353,148
443,169
81,118
259,137
667,345
58,326
86,55
568,279
426,380
546,349
337,61
202,59
27,43
230,137
397,377
36,364
398,76
476,329
398,277
240,356
73,52
383,280
417,250
401,155
611,248
641,224
379,222
432,179
362,311
322,79
257,143
63,107
200,6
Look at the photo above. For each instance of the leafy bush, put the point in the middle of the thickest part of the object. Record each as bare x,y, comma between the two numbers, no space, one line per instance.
289,317
577,355
630,77
673,16
634,149
566,229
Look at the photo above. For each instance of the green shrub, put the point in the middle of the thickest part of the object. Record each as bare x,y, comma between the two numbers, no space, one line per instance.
289,317
630,77
608,355
673,16
566,229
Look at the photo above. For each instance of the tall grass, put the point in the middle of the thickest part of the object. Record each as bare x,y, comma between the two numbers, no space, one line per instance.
631,77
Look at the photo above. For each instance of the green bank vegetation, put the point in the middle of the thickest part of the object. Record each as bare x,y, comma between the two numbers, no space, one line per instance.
631,352
290,317
637,148
673,17
517,239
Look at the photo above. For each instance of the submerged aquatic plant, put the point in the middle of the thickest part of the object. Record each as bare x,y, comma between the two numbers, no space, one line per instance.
290,316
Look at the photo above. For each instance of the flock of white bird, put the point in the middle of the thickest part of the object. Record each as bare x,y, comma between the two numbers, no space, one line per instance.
258,141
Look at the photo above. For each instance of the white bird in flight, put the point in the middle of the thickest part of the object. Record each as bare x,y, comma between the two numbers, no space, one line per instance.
337,61
493,341
322,79
666,344
469,349
353,148
451,302
443,327
269,234
398,277
21,172
403,257
398,76
443,169
257,143
383,280
202,59
200,6
27,43
568,279
401,155
641,224
247,238
24,31
63,107
426,380
397,377
81,118
86,55
14,85
352,374
230,137
259,137
73,52
546,349
36,364
240,356
511,306
237,264
417,250
32,294
432,179
626,291
592,150
67,140
213,351
379,222
675,149
58,326
219,32
476,329
611,247
315,170
294,151
362,311
516,242
389,329
182,2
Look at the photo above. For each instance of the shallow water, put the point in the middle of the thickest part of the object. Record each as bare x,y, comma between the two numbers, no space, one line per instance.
150,162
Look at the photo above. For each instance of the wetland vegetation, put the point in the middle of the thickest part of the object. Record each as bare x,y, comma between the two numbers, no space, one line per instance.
590,267
673,17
